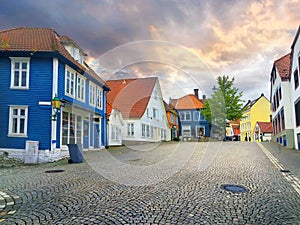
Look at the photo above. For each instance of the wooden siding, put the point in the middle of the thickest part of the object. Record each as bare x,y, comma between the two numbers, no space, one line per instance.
40,89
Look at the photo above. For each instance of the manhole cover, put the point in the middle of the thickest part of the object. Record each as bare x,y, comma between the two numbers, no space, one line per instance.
234,188
285,171
54,171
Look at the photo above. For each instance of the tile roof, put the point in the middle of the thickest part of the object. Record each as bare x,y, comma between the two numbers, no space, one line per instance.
40,40
265,127
283,66
189,102
131,96
170,108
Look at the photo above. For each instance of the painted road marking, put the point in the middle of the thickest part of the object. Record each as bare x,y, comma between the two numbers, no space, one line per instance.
294,181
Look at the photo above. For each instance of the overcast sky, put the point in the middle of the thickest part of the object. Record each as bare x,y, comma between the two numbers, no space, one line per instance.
187,43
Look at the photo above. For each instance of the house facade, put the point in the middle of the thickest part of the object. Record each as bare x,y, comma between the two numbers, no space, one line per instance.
115,125
253,111
193,126
173,121
281,105
294,87
141,104
263,131
36,66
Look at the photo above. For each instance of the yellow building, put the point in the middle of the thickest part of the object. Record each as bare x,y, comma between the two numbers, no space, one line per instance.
254,111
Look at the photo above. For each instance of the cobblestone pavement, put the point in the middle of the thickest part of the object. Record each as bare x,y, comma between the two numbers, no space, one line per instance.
170,184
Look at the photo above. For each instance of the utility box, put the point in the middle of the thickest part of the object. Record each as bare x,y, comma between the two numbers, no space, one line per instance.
31,152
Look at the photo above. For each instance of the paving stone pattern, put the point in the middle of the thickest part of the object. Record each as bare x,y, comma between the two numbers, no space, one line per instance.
192,195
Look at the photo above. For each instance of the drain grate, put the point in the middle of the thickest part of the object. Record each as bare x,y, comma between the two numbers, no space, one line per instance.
234,188
54,171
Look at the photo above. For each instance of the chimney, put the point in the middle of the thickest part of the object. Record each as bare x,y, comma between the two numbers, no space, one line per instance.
196,93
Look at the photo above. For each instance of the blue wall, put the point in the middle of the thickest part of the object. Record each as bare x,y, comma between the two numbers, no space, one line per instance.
40,89
193,123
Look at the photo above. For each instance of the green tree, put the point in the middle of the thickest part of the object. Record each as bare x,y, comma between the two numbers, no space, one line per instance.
225,104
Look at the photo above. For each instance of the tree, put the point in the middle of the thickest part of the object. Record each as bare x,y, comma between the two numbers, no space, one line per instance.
225,104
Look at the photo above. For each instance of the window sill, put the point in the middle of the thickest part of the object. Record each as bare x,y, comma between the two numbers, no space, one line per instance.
18,135
20,88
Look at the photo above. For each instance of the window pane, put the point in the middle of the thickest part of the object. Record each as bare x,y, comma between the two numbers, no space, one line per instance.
15,111
23,79
24,66
16,78
22,112
17,65
15,125
22,126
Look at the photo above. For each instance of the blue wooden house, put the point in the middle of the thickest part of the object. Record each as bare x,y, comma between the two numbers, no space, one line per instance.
36,66
192,125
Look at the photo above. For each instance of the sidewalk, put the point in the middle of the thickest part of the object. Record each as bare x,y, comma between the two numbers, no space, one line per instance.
289,158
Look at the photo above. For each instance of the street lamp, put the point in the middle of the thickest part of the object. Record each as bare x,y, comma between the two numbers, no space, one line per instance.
56,104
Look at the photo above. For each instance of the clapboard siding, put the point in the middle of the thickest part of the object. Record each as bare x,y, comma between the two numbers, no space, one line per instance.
40,87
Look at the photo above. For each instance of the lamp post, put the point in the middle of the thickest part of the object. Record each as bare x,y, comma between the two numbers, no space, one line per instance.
56,104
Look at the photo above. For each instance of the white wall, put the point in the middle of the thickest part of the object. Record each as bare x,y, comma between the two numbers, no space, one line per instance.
295,94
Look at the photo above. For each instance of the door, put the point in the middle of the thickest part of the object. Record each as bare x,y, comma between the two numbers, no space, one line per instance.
86,134
96,135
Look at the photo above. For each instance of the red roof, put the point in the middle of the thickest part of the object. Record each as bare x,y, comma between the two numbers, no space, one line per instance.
283,66
189,102
40,40
131,96
265,127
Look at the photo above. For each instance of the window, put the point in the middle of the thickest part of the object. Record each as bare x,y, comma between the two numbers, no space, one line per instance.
186,131
70,82
280,95
296,78
172,118
18,119
196,115
99,98
115,133
72,128
155,113
130,129
19,72
297,113
199,131
282,120
81,88
185,116
143,130
92,94
155,95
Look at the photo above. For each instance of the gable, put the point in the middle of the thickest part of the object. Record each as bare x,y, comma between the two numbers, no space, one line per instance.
189,102
131,96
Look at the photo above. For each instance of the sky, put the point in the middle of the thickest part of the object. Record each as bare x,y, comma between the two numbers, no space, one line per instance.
186,43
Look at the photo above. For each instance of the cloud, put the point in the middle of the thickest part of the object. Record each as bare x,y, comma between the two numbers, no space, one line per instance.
239,38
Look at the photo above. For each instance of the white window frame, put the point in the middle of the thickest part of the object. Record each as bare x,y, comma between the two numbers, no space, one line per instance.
20,60
155,113
99,93
18,117
130,129
80,88
195,116
184,127
92,93
184,113
71,80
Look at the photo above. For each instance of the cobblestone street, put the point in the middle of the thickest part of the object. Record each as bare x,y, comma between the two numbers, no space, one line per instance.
173,183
